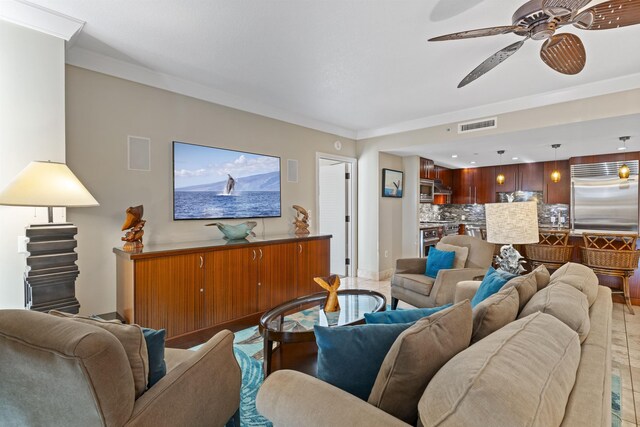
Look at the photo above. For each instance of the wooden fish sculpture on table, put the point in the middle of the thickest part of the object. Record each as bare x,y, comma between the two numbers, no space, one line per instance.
331,284
134,223
235,232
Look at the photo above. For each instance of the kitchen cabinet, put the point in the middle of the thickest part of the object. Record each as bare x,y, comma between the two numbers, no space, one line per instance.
521,177
427,169
190,288
474,185
557,192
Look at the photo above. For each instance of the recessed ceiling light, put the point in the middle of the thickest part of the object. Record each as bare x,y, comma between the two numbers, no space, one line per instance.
514,158
622,148
473,162
454,156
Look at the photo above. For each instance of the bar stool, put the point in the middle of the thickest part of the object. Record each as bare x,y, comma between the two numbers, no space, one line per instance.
553,249
612,255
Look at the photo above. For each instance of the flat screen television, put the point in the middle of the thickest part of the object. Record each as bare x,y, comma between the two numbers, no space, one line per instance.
216,183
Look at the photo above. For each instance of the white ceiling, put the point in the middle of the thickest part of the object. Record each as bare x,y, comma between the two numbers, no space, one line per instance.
353,67
576,139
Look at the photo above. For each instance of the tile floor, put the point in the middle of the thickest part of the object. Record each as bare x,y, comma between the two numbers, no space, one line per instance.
625,346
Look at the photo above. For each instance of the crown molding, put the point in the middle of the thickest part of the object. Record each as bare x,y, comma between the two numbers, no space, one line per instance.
84,58
40,18
588,90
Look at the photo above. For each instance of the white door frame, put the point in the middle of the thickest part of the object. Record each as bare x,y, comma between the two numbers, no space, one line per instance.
352,250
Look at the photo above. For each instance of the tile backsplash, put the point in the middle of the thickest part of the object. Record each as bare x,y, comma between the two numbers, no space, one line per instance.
475,213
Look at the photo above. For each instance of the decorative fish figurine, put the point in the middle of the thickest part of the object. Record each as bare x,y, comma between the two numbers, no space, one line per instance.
235,232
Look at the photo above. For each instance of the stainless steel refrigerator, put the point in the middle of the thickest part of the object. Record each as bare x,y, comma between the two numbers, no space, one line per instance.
601,201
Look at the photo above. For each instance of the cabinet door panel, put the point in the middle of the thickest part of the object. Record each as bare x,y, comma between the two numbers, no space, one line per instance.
531,176
231,284
510,173
485,185
167,294
463,182
312,261
557,192
276,275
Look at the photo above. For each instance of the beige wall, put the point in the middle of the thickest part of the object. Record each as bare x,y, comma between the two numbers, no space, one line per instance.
103,110
31,128
390,220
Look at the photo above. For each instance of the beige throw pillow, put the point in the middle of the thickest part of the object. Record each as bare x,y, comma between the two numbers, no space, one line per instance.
565,303
522,374
542,276
526,285
494,312
414,358
462,253
132,340
580,277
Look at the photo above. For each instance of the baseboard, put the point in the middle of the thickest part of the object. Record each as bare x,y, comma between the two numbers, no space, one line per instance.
386,274
375,275
370,275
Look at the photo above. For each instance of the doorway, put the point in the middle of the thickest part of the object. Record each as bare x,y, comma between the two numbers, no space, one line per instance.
335,195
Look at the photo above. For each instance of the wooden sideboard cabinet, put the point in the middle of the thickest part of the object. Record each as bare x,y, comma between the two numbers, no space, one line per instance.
190,287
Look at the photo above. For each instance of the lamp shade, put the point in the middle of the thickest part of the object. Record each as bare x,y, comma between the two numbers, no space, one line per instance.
512,223
46,184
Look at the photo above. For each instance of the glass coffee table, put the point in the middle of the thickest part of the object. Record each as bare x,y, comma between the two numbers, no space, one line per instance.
293,321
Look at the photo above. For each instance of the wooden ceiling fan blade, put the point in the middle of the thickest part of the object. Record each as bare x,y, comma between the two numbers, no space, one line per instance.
614,14
558,8
564,53
481,32
491,62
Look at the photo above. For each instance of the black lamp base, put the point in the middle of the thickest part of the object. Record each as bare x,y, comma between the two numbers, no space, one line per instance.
49,281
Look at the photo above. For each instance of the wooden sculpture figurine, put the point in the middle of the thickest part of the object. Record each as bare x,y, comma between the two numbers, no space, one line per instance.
331,284
302,220
134,223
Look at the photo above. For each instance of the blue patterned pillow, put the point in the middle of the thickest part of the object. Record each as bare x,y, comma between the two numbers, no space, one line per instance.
155,350
349,357
438,260
493,281
402,316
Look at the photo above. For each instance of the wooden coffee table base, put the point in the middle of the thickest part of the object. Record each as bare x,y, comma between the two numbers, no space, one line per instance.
300,357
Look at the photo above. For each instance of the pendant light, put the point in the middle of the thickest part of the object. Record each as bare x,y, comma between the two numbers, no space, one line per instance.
624,170
555,174
500,179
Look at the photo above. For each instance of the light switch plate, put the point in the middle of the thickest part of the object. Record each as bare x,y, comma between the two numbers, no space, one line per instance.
22,244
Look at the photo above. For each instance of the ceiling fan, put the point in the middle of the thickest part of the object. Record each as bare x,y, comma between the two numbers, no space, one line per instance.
540,19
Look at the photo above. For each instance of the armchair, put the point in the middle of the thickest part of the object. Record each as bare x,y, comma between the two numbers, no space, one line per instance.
56,371
410,285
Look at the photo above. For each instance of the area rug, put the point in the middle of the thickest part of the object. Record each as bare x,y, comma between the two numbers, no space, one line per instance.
616,400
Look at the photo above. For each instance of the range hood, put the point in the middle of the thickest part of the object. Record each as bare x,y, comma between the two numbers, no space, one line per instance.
440,188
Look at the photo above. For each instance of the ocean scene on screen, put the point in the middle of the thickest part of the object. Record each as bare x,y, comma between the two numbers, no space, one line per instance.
213,183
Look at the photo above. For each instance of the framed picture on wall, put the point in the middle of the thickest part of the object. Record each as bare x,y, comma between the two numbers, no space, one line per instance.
392,183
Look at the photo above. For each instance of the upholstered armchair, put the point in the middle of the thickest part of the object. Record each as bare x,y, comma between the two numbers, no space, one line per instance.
409,284
56,371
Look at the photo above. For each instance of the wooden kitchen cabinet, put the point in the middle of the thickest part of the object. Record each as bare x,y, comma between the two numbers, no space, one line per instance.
510,173
557,192
445,175
463,186
189,289
427,168
531,176
485,185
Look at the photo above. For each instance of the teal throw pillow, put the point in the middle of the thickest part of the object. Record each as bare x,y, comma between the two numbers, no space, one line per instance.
438,260
493,281
401,316
349,357
155,350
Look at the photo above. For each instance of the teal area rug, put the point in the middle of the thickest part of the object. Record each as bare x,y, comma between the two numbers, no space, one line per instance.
616,401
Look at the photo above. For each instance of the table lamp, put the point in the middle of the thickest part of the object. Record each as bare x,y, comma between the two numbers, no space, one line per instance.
51,271
509,224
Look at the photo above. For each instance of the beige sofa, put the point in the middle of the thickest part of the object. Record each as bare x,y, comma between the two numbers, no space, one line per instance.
56,371
409,284
503,379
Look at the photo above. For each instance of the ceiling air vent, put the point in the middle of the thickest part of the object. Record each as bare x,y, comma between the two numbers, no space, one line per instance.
477,125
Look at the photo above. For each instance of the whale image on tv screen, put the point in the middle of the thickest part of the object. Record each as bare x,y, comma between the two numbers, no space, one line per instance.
215,183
